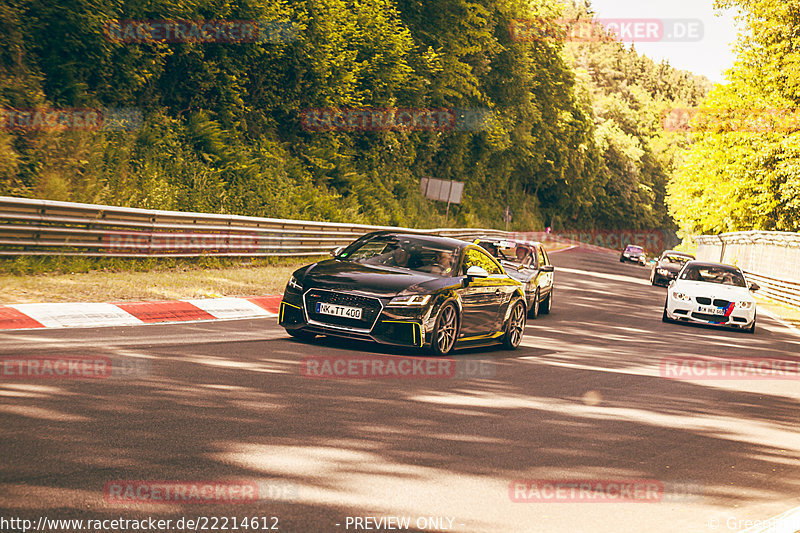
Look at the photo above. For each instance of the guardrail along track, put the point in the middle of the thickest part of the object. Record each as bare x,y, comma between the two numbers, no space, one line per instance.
770,258
45,227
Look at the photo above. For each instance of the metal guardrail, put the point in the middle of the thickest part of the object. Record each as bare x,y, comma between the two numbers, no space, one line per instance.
45,227
770,258
781,291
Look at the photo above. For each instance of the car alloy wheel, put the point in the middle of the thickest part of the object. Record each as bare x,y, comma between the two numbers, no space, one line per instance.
445,330
515,328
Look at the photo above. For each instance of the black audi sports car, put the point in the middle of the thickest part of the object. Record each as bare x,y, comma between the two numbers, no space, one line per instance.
528,263
667,267
407,290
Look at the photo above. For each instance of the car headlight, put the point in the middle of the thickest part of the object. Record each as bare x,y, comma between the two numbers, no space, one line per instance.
681,296
293,283
744,305
663,271
416,300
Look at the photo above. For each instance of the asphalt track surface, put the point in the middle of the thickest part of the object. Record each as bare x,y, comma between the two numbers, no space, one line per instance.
582,399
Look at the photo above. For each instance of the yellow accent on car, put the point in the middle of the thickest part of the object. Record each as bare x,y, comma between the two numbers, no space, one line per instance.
478,337
414,325
283,304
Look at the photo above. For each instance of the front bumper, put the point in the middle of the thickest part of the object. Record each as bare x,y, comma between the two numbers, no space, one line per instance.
633,259
684,311
392,326
664,278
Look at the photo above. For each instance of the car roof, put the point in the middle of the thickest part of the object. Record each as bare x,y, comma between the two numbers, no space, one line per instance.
512,241
675,252
430,239
710,264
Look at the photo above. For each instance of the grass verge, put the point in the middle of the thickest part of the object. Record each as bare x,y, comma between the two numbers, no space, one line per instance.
149,279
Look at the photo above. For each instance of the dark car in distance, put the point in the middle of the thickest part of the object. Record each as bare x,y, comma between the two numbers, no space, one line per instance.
633,254
407,290
528,263
667,267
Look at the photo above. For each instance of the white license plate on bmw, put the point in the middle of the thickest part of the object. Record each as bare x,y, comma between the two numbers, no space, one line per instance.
339,310
711,310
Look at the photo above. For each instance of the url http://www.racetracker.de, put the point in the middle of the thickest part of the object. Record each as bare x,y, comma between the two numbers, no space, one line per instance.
44,524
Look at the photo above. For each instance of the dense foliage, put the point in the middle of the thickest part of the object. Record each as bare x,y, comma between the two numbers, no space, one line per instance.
743,169
574,138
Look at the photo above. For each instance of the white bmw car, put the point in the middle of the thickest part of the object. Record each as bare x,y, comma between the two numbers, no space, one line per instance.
711,293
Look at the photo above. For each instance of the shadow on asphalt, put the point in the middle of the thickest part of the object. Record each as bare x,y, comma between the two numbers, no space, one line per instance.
231,411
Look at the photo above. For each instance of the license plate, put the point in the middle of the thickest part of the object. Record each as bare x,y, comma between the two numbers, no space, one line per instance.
339,310
711,310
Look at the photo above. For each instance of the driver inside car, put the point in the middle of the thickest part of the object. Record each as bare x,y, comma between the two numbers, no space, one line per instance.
442,264
399,258
524,256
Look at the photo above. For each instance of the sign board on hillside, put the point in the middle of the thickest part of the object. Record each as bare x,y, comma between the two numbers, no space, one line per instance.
442,190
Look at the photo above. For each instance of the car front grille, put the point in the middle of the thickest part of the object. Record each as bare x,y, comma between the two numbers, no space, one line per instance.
371,308
702,300
322,330
710,318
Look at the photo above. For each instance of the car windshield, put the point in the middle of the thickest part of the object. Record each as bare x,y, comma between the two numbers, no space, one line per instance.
676,259
492,248
403,252
634,249
503,250
713,274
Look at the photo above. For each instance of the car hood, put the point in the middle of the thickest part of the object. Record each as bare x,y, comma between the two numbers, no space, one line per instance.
523,275
670,266
371,280
713,290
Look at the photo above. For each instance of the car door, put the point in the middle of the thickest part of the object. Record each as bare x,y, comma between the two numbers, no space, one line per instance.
483,300
543,279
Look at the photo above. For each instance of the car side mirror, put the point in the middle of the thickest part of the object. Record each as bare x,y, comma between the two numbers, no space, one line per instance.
336,251
476,272
548,268
754,286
